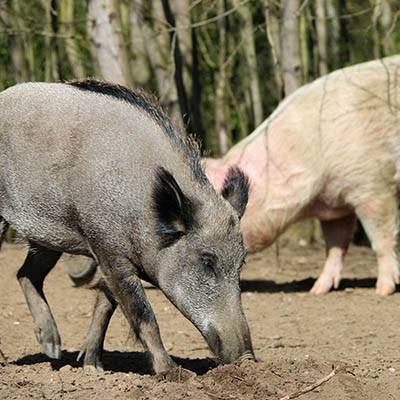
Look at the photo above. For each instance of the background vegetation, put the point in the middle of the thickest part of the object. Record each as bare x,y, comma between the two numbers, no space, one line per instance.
219,67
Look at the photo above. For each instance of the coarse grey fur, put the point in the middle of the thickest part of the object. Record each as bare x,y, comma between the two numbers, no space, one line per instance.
87,172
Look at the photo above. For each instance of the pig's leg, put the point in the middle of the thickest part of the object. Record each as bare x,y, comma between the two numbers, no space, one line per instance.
103,310
380,219
31,275
337,234
128,291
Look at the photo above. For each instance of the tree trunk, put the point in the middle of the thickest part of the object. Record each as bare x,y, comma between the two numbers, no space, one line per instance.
273,35
107,41
321,36
251,60
334,29
178,65
139,65
181,11
381,23
18,50
221,123
51,66
291,62
67,28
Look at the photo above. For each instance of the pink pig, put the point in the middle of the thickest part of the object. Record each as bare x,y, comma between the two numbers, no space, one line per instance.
331,150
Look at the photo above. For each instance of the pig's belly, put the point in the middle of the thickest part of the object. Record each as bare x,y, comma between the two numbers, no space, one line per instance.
326,213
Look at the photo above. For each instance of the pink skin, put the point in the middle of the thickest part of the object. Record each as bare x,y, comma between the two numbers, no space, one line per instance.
331,151
271,183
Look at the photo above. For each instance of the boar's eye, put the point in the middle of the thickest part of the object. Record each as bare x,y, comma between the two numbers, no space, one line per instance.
209,261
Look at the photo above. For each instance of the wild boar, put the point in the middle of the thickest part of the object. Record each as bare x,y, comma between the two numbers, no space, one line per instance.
95,169
331,150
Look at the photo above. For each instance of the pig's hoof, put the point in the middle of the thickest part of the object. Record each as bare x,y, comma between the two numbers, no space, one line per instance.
324,284
52,350
385,288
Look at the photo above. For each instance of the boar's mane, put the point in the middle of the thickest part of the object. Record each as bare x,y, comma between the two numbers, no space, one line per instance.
187,144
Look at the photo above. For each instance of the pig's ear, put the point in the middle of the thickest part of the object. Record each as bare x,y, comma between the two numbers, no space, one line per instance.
173,210
235,189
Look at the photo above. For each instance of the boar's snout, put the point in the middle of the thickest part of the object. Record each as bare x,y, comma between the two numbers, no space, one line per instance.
231,342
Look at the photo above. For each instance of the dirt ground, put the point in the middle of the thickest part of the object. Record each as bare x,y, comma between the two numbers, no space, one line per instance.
298,338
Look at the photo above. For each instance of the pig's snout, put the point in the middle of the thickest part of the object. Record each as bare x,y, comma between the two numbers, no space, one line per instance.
230,343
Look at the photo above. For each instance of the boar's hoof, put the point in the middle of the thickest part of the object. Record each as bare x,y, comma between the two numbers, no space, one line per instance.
92,362
48,337
52,350
164,365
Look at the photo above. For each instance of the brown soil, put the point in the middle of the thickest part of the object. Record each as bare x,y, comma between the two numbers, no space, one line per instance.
297,338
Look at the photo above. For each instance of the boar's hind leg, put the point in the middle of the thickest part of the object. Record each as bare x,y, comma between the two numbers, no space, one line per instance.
93,346
31,275
337,234
126,286
379,217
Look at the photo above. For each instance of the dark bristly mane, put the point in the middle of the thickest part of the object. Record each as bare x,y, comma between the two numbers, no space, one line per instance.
140,100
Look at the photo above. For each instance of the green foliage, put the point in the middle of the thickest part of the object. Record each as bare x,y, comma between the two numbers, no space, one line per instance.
24,19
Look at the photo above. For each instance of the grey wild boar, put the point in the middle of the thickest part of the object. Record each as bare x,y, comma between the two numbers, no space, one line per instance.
331,150
95,169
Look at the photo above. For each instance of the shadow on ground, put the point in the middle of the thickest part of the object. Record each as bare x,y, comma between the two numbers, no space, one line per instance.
116,361
304,285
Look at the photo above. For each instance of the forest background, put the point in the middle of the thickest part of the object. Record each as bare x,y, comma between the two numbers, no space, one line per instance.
218,67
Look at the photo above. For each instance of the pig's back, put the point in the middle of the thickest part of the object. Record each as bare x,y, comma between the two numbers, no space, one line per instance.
344,127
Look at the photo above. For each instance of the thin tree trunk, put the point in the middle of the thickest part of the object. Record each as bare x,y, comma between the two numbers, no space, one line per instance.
273,35
321,36
18,51
181,11
139,65
381,22
178,64
67,28
334,29
251,60
221,123
107,41
291,61
51,66
163,60
305,54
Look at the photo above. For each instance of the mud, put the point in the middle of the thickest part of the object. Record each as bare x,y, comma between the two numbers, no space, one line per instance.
298,338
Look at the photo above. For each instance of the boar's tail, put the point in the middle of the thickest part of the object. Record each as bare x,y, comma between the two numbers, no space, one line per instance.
3,229
84,276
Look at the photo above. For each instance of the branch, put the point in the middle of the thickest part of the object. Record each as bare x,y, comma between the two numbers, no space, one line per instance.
313,386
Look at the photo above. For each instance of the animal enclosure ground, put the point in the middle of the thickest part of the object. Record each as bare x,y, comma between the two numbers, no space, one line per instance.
297,337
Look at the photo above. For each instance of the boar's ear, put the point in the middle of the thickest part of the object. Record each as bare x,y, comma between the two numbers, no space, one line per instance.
173,210
236,189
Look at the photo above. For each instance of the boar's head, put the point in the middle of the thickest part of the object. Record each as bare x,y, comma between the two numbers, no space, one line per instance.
200,254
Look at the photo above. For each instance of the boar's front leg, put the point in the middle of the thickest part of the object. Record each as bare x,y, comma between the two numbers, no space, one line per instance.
122,279
31,275
103,310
